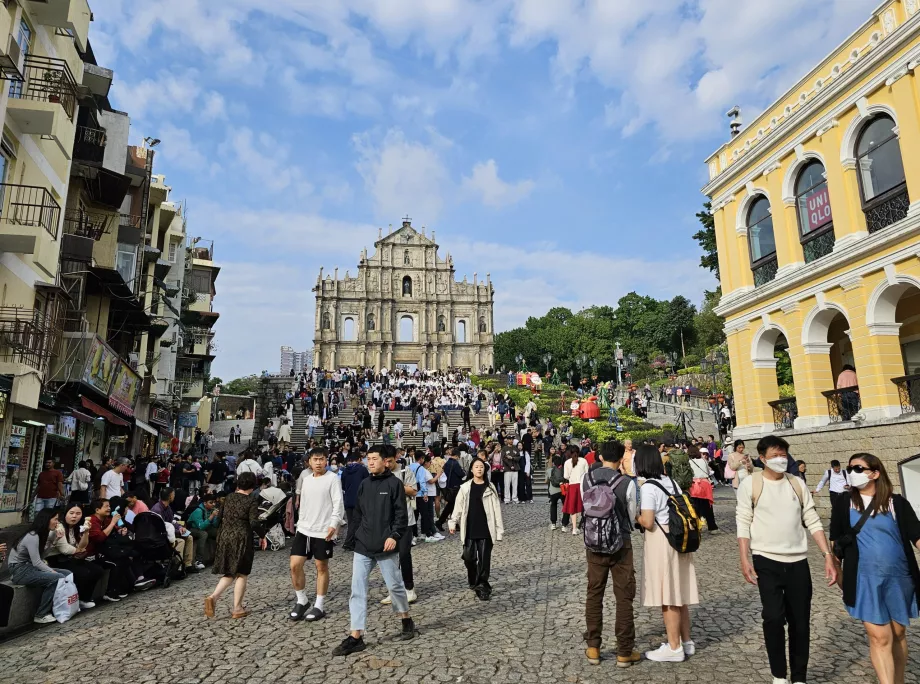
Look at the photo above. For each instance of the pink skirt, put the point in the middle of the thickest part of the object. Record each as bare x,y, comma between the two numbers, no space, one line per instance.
573,503
668,578
701,489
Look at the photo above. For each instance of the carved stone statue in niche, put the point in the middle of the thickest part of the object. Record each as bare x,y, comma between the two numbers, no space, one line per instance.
442,326
371,322
482,324
327,321
407,260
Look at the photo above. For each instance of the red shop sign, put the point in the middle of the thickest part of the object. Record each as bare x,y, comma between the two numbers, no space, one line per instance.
818,210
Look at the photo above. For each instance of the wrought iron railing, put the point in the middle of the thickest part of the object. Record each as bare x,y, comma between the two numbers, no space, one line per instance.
890,208
819,245
842,404
765,272
908,392
88,224
47,79
89,144
29,205
785,411
28,336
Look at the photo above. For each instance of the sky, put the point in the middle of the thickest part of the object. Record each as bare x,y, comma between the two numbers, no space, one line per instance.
557,145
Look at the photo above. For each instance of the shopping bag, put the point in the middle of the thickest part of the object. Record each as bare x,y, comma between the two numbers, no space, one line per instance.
66,601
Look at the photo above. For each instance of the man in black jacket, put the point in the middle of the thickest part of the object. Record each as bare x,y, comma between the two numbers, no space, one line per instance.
381,520
455,476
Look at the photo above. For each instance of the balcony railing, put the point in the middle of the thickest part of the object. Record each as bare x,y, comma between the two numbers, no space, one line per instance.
131,221
87,224
842,404
818,245
765,272
47,79
29,205
28,336
908,392
890,208
89,144
785,411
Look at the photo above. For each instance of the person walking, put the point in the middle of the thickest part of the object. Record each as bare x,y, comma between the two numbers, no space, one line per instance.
511,464
352,476
320,515
574,472
239,520
701,489
424,500
555,476
617,566
405,476
381,518
669,579
837,481
774,515
880,572
455,474
477,514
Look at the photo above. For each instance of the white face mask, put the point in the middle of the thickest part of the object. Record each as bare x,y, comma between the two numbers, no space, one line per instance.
859,480
778,465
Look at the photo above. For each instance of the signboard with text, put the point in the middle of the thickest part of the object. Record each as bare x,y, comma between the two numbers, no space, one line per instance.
125,388
101,363
815,210
188,419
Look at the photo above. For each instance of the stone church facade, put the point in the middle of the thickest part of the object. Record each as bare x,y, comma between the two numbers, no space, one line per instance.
403,308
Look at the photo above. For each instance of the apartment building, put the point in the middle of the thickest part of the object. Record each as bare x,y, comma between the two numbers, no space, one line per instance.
296,361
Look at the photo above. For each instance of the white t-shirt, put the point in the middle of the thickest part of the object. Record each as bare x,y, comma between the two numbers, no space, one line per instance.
653,499
113,483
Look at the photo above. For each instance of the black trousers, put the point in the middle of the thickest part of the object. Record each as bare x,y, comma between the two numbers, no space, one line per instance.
704,508
554,499
85,573
405,560
477,556
425,510
350,529
785,592
450,497
837,495
525,486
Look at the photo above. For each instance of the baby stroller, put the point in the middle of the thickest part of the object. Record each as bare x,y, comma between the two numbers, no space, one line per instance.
161,559
270,518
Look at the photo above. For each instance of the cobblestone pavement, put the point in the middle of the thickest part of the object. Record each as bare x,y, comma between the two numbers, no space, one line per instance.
530,632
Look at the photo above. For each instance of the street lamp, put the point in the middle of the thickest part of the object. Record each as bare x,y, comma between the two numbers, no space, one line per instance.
570,374
547,359
520,360
619,360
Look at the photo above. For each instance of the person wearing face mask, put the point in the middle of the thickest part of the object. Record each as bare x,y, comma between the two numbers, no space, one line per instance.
873,531
773,514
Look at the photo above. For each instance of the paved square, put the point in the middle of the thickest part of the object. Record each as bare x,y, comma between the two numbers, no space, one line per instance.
531,631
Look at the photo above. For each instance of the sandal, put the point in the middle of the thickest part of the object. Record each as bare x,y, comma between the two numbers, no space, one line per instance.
236,615
209,605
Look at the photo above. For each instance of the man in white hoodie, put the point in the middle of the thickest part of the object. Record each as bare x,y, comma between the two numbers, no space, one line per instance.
322,512
775,514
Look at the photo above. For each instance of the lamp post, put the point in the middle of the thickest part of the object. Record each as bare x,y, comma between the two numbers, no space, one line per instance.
619,358
711,365
547,359
569,375
582,361
520,360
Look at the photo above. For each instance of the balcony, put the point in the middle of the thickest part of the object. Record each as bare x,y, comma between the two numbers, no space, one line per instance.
908,392
818,244
29,218
88,224
89,145
785,411
765,270
842,404
886,209
72,15
27,336
45,102
191,388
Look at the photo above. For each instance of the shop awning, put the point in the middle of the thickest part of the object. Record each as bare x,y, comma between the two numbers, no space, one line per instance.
82,417
143,426
103,413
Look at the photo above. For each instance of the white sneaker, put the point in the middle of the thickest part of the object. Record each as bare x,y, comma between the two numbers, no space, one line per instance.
387,601
777,680
574,530
86,605
562,529
552,527
413,541
439,536
44,619
199,565
664,654
689,648
431,540
411,595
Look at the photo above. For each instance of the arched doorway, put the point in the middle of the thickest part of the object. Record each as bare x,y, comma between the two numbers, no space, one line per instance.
773,373
461,332
894,310
406,329
348,329
827,332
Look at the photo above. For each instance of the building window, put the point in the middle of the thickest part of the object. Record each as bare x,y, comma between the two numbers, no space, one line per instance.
881,174
348,330
125,263
762,243
813,203
24,37
461,331
173,248
406,329
407,286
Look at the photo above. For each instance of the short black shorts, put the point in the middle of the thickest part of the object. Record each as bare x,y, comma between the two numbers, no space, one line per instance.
311,547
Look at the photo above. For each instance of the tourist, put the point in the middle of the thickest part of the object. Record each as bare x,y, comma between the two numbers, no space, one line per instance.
79,484
352,476
701,490
525,474
555,476
574,472
618,566
775,513
203,525
27,567
217,472
50,487
423,501
179,536
114,551
454,474
320,515
511,465
381,520
801,470
838,482
68,552
669,580
740,463
478,515
627,467
880,573
112,482
405,542
239,520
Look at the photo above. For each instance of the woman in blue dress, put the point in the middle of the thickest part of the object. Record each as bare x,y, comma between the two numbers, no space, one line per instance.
880,572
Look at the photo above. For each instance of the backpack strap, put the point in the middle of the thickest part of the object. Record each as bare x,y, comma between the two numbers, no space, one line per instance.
798,492
756,488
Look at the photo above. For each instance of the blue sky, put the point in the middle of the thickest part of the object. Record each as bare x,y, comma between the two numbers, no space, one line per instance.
556,144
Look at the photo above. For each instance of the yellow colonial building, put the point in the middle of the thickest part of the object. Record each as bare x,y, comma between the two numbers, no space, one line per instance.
817,215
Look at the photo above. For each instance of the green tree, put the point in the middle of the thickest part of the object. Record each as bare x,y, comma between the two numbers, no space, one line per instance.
212,383
244,386
707,239
708,325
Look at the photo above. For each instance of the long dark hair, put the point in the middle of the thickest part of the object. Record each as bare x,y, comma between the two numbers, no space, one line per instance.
72,532
883,488
39,527
648,462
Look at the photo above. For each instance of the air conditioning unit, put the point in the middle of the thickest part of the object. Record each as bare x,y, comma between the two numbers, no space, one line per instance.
132,360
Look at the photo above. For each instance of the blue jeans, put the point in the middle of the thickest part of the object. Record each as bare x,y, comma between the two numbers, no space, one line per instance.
28,575
361,567
45,503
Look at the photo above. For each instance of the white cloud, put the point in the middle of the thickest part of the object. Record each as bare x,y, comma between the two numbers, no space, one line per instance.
402,176
265,160
492,190
180,151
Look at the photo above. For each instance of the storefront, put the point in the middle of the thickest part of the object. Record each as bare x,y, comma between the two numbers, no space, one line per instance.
60,443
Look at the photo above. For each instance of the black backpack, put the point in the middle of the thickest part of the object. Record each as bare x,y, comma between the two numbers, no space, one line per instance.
556,476
683,523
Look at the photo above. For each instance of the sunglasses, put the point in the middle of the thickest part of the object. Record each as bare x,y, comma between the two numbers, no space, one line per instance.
860,469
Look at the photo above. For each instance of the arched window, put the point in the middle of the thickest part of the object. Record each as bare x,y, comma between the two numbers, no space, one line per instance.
348,330
762,244
461,331
814,209
407,286
482,324
442,326
406,329
881,174
406,260
327,321
371,322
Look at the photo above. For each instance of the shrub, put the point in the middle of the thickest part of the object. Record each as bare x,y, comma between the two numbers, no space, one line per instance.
786,391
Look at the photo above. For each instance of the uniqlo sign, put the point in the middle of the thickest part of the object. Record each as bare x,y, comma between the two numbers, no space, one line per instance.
817,210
